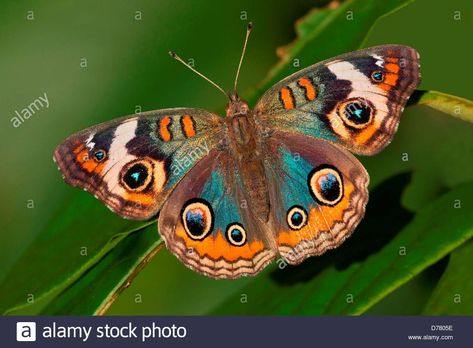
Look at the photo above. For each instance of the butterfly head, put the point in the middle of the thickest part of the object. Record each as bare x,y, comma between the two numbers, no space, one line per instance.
236,106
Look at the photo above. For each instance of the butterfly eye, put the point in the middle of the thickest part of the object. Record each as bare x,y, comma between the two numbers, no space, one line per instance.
197,218
356,113
296,217
137,175
99,155
326,185
377,76
236,234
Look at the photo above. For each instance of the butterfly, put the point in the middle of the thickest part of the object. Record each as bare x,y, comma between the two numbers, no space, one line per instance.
235,192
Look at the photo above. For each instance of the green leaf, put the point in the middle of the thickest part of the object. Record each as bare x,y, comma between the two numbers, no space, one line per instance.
426,141
81,233
454,293
449,104
356,286
97,288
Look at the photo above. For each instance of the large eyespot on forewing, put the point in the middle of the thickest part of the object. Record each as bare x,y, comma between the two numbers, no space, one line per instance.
137,175
356,113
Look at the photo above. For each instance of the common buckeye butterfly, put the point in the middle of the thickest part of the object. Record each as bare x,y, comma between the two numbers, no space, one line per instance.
232,193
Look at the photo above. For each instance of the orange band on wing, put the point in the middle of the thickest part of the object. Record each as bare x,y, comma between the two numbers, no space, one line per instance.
310,92
287,98
390,81
321,218
139,198
188,126
366,134
164,132
78,149
392,59
216,247
391,67
82,157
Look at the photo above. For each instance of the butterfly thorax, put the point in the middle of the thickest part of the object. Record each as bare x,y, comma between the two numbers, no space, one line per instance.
248,154
241,130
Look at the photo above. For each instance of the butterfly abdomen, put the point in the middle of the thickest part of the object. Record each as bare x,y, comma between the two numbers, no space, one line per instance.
249,162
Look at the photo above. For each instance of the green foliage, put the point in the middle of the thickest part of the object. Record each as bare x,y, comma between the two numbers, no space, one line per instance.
43,267
454,292
452,105
98,287
412,206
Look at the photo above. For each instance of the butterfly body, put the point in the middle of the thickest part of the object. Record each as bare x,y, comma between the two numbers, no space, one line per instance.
246,149
233,193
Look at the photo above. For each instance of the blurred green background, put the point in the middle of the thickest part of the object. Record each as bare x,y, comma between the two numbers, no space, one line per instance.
128,65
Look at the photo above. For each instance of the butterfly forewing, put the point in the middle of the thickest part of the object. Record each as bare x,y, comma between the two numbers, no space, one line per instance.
131,164
354,99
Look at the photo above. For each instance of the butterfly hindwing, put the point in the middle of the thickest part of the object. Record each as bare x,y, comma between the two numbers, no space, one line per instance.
318,194
354,99
131,164
207,225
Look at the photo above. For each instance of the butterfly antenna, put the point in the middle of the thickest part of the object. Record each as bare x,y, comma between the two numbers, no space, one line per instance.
248,31
179,59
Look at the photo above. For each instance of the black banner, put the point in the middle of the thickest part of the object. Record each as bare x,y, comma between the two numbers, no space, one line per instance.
364,331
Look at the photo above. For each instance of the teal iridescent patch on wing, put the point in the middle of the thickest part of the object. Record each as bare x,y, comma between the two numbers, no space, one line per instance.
295,190
224,205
